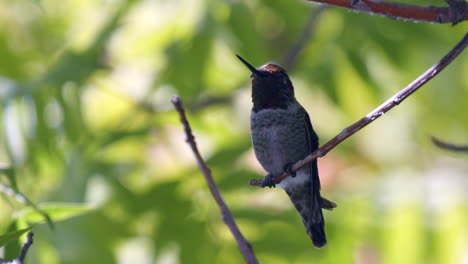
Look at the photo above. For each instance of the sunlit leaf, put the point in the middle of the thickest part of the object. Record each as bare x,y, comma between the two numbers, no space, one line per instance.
11,236
56,211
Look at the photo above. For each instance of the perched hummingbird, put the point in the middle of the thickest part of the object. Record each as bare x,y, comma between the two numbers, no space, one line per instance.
282,134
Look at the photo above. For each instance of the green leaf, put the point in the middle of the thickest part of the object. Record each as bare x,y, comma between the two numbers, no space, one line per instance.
56,211
20,197
10,236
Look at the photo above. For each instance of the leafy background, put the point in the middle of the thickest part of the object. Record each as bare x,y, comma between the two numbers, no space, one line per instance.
89,138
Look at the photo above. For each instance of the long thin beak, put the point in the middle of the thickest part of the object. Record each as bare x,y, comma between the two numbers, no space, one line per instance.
251,68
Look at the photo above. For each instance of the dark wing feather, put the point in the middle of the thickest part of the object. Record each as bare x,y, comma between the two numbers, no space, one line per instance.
313,142
316,224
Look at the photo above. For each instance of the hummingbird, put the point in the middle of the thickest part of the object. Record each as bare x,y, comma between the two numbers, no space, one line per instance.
282,134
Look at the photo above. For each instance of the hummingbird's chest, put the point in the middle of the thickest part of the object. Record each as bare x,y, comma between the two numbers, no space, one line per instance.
279,137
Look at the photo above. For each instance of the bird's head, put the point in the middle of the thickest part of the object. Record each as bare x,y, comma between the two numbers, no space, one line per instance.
271,86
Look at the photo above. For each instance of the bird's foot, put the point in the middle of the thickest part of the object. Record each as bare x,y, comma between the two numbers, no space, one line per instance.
269,181
288,169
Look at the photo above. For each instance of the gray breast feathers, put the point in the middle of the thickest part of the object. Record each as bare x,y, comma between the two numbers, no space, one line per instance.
279,137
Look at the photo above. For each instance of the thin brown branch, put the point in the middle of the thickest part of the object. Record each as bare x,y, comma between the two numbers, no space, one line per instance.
434,14
309,30
376,113
449,146
244,246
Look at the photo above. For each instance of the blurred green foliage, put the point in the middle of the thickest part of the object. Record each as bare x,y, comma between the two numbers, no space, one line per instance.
88,135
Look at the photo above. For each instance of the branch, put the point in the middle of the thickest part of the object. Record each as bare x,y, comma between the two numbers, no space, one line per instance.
244,246
456,12
27,244
449,146
24,250
378,112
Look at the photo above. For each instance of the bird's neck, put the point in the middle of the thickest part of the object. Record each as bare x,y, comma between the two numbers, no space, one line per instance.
271,97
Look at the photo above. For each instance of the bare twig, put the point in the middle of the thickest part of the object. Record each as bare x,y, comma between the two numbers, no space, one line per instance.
24,250
434,14
309,30
449,146
244,246
378,112
27,244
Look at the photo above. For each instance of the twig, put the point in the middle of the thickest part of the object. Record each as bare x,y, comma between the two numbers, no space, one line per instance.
434,14
378,112
244,246
27,244
309,30
449,146
24,250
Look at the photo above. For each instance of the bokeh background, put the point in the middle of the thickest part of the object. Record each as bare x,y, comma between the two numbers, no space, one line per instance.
88,135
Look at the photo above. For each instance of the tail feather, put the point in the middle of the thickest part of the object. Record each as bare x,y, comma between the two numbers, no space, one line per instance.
317,235
309,205
327,204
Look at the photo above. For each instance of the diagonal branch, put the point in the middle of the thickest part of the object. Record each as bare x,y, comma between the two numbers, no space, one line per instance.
457,12
244,246
376,113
